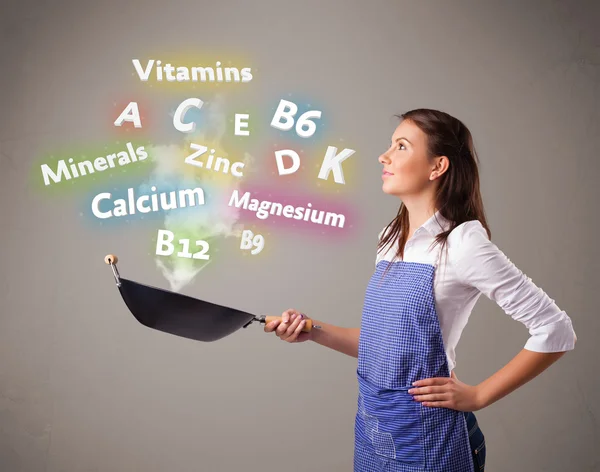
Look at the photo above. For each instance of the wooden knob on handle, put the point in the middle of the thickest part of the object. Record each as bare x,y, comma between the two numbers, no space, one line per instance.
307,326
111,259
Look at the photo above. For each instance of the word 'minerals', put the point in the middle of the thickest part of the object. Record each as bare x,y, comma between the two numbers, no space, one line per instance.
89,167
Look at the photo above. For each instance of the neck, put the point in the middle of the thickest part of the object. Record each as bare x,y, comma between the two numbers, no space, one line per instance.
419,211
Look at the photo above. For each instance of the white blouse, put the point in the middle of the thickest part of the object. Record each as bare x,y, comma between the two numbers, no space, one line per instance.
474,265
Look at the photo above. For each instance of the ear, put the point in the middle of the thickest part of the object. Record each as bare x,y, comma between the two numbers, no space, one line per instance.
442,163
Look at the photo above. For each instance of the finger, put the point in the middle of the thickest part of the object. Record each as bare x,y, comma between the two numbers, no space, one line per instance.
270,327
282,328
292,337
292,327
425,390
299,328
431,381
435,397
288,315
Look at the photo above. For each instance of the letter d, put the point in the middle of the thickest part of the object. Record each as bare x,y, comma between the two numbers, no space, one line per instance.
295,157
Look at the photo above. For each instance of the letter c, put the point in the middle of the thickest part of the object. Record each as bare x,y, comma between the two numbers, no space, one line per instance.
181,110
97,213
235,171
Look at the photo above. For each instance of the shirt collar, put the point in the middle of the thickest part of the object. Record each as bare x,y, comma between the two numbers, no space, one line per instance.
436,224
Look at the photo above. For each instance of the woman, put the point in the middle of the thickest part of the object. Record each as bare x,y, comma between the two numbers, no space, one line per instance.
413,413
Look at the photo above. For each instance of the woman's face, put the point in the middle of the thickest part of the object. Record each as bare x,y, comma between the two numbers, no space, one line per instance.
407,169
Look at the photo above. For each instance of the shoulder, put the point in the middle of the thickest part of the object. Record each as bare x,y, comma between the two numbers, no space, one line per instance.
467,239
381,233
384,252
468,231
384,231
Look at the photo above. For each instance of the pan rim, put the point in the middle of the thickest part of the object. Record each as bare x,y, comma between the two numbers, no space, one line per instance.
215,305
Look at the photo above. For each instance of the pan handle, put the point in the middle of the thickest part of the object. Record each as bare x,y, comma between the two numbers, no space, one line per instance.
307,327
112,260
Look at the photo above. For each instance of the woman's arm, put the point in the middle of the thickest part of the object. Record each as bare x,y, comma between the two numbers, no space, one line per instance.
521,369
344,340
449,392
481,264
289,328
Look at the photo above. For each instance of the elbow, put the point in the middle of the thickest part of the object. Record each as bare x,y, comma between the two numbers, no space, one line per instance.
558,336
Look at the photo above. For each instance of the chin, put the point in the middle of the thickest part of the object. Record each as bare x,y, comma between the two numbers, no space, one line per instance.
387,189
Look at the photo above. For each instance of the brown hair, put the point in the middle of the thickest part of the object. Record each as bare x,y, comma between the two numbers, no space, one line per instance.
458,197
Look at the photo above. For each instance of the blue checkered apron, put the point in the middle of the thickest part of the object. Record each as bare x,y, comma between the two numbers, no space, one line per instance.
400,342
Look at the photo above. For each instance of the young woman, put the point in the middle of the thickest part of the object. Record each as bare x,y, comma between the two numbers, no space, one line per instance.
434,260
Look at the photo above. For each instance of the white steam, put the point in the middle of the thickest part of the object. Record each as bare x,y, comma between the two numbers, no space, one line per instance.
205,222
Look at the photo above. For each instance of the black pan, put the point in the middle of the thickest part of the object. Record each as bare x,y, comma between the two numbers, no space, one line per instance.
181,315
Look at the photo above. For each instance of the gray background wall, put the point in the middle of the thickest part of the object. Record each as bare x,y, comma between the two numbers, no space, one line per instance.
85,388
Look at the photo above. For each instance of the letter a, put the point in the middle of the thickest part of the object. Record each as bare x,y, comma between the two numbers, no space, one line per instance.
132,114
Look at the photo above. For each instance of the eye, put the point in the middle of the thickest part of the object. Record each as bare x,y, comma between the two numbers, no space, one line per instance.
400,145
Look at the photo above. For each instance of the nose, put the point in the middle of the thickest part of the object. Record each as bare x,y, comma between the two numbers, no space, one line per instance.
383,158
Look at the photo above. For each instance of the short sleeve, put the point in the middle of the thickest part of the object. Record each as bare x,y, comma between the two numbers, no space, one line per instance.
481,264
384,251
380,252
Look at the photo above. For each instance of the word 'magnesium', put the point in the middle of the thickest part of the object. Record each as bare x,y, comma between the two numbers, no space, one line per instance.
194,74
88,167
147,203
265,208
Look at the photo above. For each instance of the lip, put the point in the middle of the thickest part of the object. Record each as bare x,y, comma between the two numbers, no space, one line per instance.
386,174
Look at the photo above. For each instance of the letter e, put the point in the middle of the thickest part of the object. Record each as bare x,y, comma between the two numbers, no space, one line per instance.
239,124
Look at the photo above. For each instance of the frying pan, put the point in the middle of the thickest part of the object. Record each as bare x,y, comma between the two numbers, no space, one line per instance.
181,315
